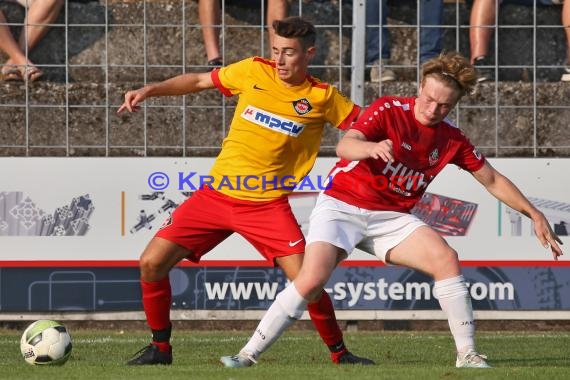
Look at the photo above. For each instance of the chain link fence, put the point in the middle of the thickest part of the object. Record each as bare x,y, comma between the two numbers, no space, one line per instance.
97,50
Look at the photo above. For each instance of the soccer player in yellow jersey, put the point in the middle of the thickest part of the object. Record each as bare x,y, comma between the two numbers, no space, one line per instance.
273,140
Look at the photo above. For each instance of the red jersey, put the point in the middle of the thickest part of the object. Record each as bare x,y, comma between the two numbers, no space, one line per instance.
420,153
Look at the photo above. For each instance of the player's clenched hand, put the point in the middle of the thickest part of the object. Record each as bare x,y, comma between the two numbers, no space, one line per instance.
382,150
547,237
132,99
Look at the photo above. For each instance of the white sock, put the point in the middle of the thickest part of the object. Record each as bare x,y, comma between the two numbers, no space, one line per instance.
455,302
283,312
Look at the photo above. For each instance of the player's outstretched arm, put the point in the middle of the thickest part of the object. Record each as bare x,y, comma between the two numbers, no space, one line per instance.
179,85
354,146
506,191
546,235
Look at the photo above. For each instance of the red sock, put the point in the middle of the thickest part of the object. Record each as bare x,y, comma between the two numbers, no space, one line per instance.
335,356
156,299
162,346
322,315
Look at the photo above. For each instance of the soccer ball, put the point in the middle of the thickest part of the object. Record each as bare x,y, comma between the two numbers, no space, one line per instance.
45,342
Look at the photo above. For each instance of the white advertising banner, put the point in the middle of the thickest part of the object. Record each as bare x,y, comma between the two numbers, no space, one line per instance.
72,230
84,211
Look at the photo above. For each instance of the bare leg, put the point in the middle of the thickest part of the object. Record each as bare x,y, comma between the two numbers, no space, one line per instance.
210,19
41,14
158,258
318,264
425,250
9,45
482,19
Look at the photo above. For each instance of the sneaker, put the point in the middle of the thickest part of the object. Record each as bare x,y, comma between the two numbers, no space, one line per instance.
566,75
471,359
484,69
240,360
349,358
387,74
150,355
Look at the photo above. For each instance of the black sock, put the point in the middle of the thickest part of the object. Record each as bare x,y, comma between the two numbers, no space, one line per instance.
337,347
162,335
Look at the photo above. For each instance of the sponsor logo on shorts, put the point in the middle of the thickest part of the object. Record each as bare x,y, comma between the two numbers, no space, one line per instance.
294,243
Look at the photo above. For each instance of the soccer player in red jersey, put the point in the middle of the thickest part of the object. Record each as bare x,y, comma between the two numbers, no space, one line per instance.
275,135
402,144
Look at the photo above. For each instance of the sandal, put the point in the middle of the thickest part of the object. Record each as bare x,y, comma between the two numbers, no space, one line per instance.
31,73
12,74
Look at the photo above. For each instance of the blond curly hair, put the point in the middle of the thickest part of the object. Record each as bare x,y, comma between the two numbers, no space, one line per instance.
453,69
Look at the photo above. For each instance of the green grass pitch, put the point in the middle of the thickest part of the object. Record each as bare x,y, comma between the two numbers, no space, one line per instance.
299,355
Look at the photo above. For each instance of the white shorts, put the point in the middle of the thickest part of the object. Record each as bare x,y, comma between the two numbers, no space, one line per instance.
346,226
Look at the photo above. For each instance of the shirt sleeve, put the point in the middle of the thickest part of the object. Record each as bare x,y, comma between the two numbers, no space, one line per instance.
341,111
230,79
370,123
468,157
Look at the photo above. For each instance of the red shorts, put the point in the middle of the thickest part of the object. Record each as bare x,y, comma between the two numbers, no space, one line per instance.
208,217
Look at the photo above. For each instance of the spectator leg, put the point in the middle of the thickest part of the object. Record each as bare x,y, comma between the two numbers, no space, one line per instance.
210,16
40,14
431,14
482,23
276,10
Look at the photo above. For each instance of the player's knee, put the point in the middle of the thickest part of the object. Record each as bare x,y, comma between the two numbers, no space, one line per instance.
310,287
445,263
152,269
449,255
316,290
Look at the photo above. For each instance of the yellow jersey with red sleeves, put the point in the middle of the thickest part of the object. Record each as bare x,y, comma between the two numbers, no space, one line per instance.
275,134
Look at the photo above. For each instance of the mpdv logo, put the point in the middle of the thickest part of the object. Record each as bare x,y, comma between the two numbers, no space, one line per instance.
272,121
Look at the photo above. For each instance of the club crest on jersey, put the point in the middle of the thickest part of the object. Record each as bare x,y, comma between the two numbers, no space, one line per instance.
433,157
302,106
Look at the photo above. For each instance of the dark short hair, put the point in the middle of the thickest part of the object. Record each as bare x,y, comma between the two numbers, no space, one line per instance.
296,27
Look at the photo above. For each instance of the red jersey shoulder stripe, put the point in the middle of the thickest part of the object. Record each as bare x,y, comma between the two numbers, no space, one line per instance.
316,83
347,122
216,79
264,61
